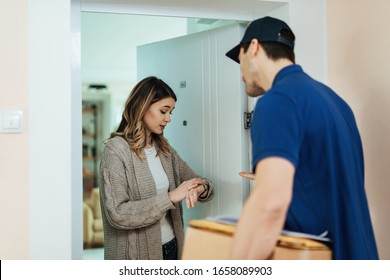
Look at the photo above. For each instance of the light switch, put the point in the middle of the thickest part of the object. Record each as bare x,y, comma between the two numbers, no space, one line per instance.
11,121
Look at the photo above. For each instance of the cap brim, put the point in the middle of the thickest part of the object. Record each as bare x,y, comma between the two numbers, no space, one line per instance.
233,53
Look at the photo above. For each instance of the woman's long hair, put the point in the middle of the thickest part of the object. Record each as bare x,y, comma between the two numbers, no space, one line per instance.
132,127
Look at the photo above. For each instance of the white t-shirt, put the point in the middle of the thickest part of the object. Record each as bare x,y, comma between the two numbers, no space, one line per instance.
162,185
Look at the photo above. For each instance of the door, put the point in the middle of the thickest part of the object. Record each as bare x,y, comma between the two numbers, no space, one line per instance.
207,127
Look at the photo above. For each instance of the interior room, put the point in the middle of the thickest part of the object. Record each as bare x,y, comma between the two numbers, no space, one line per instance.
42,77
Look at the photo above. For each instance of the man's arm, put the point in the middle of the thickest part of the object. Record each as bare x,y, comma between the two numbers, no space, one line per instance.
264,213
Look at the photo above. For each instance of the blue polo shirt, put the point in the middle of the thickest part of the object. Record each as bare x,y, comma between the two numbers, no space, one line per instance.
305,122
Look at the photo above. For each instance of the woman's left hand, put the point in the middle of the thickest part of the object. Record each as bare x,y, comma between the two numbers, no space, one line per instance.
181,192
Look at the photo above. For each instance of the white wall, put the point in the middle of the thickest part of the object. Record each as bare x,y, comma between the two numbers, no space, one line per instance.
109,43
308,19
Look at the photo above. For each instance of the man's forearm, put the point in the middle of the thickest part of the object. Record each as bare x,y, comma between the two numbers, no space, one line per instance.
257,232
264,213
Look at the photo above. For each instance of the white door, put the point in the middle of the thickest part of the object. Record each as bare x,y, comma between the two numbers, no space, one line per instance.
207,127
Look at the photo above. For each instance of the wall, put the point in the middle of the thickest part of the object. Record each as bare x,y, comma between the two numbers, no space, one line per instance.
359,65
308,20
14,147
109,43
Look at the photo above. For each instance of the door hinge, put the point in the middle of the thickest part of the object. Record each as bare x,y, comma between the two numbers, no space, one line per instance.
247,119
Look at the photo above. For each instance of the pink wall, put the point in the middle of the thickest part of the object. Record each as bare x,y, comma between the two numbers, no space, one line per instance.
14,147
359,70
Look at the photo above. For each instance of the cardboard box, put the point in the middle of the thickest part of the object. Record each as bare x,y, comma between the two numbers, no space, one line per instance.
207,240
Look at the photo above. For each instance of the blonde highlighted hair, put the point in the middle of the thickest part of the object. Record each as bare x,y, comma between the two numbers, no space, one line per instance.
132,127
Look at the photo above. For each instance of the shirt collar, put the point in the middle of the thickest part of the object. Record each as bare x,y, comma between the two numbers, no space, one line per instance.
286,71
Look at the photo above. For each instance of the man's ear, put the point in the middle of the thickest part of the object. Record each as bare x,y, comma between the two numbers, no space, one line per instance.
254,47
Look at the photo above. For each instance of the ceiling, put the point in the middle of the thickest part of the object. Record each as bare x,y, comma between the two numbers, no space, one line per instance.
222,9
109,42
111,29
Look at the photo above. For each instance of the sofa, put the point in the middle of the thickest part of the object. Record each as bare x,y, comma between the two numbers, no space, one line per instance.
93,234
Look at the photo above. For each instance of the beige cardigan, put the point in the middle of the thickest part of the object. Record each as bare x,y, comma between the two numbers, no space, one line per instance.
131,208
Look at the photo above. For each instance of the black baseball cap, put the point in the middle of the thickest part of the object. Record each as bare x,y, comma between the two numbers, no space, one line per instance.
266,29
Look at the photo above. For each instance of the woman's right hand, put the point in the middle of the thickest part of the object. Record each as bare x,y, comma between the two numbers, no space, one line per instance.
181,191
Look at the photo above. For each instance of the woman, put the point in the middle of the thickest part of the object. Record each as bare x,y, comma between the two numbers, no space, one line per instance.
144,180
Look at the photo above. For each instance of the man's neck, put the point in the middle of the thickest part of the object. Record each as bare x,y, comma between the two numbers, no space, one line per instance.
275,68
